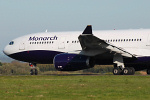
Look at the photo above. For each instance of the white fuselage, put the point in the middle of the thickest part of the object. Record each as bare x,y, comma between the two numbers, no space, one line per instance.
137,42
134,41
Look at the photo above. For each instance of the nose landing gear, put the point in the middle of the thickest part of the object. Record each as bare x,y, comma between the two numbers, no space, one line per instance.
33,70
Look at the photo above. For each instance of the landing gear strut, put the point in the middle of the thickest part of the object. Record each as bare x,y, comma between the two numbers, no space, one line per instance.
119,67
33,70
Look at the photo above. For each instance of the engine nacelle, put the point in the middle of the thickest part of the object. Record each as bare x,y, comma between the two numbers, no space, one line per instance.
72,62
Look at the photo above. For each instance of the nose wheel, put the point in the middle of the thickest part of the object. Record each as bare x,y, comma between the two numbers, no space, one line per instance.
33,70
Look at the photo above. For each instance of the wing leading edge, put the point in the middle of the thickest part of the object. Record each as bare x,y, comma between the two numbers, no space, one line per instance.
90,42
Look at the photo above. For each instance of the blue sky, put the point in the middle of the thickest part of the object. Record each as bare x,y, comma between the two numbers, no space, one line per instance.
21,17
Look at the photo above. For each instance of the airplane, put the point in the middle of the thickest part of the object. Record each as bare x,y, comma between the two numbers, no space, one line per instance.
128,50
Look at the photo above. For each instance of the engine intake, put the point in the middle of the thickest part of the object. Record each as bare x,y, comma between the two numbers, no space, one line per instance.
73,62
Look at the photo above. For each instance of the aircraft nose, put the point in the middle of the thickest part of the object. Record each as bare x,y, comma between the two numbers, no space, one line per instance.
6,50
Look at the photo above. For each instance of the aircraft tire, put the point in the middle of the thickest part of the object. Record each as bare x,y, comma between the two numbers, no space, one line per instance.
117,71
36,72
31,72
148,71
132,70
127,71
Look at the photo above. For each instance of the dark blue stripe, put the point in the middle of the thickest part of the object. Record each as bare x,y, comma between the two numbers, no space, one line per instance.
46,57
37,56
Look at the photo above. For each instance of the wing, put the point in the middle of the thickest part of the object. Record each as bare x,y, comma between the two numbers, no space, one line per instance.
89,42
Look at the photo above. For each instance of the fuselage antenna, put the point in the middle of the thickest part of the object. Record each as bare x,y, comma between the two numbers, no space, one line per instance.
46,30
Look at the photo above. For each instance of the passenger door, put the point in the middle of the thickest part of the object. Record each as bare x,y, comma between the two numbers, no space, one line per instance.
62,43
22,46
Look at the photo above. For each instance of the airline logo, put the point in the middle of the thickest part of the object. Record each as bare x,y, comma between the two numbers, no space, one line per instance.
42,38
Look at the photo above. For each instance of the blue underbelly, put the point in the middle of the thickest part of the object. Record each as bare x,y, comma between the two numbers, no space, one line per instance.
37,56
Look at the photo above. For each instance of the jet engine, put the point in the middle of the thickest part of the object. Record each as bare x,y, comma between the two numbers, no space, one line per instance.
72,62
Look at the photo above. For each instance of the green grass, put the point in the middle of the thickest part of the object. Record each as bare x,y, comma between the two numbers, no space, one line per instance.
108,87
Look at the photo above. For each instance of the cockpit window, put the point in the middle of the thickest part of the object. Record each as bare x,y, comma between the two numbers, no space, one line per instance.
11,43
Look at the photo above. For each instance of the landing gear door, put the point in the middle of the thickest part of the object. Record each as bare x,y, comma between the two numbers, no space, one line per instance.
62,43
22,46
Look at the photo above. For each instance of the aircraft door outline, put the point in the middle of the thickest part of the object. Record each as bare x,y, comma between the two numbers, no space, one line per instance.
61,44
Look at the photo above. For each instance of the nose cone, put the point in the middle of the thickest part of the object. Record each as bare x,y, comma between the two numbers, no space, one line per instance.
7,50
